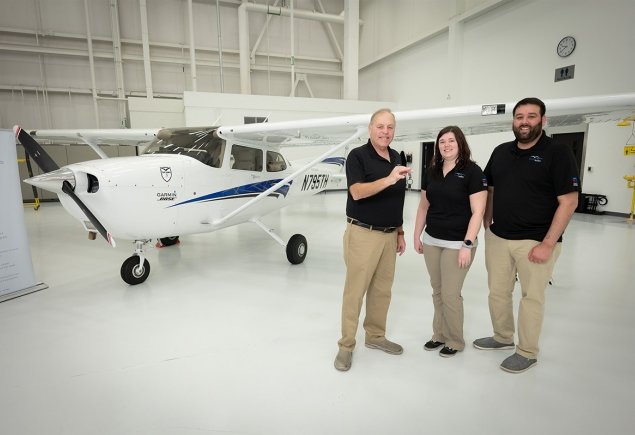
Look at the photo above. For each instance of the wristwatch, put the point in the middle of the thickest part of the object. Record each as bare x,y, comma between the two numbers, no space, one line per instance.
468,244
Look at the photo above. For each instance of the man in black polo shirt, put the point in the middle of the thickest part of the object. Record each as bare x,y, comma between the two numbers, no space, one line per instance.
533,192
374,208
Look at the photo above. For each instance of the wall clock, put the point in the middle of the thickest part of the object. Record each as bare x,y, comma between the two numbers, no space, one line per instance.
566,46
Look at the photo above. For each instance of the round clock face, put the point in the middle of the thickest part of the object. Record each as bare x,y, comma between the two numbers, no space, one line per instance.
566,46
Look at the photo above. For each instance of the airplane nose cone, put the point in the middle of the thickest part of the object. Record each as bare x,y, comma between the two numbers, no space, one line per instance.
52,181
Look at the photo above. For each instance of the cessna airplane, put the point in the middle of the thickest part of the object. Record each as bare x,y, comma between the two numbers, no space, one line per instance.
195,180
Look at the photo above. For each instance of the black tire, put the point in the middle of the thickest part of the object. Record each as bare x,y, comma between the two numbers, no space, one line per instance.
132,273
169,241
297,249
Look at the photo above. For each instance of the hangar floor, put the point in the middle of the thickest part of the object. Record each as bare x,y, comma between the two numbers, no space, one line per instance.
227,337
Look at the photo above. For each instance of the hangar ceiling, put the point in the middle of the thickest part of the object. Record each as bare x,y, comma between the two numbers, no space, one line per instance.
114,49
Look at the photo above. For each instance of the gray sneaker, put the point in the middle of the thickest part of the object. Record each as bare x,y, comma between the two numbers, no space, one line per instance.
517,363
385,345
488,343
343,360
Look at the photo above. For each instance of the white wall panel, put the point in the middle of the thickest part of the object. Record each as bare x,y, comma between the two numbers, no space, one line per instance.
507,53
23,108
389,24
18,14
418,76
18,69
62,15
99,16
146,113
609,165
201,108
55,32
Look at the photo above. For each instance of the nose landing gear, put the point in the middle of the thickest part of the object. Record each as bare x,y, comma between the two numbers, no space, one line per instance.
136,268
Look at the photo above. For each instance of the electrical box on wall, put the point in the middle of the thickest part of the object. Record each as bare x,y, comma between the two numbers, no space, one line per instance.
564,73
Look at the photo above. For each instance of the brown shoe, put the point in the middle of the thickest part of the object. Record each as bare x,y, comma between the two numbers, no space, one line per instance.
343,360
385,345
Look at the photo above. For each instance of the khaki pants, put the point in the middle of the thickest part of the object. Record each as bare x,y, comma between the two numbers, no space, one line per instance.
370,258
446,279
504,258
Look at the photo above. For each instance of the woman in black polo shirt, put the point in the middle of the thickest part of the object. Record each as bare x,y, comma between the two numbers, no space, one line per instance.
453,198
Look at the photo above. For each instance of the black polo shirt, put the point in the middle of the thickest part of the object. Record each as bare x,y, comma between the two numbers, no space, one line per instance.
450,212
526,186
384,209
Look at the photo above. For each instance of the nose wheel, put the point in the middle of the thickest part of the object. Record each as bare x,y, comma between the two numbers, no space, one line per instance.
136,268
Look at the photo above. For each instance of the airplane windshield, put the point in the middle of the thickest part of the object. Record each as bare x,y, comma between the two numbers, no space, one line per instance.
203,145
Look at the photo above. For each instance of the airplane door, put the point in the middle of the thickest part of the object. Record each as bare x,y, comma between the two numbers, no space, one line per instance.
246,173
427,153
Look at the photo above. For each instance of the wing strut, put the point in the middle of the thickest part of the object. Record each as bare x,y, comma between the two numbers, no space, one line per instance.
93,144
358,132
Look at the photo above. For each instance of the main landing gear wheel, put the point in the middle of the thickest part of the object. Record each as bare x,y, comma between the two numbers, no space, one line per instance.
297,249
169,241
134,273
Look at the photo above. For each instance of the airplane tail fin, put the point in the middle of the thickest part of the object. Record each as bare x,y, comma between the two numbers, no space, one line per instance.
35,150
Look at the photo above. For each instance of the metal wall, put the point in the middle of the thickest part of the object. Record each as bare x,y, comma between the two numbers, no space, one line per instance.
73,63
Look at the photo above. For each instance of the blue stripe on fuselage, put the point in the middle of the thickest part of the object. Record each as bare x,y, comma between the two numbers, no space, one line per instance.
339,161
244,191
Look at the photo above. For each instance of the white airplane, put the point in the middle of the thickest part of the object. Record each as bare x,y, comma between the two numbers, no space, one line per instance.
195,180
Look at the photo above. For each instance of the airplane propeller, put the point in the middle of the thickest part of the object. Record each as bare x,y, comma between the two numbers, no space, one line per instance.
35,150
47,164
68,189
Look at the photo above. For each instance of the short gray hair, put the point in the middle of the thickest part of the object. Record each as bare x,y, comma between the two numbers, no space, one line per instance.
382,110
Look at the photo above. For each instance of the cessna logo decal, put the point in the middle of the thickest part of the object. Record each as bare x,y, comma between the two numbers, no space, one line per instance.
166,173
313,182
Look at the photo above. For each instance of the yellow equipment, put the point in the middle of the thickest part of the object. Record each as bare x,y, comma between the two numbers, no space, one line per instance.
630,183
36,198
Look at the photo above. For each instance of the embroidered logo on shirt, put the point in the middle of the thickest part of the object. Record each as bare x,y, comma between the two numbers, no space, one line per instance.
575,181
459,174
536,159
484,182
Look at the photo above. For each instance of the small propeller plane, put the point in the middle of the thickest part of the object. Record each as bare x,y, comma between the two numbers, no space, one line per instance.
195,180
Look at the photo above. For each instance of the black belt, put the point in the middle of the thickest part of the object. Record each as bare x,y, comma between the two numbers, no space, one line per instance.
370,227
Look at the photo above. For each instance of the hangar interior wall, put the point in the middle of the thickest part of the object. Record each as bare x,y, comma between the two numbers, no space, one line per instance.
456,53
419,54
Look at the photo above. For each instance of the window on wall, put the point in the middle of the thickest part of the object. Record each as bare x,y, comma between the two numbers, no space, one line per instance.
254,119
246,159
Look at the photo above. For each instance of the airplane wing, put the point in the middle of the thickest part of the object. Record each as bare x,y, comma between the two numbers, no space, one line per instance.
122,136
412,125
95,137
423,125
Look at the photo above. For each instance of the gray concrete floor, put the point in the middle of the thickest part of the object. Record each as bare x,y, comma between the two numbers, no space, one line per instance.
226,337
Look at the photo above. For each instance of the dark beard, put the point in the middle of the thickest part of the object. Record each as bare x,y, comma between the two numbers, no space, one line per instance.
534,133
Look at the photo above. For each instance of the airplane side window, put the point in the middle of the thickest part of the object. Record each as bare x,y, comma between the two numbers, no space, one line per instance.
215,147
275,162
246,158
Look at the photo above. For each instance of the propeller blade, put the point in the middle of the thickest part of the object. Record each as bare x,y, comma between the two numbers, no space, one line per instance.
35,150
68,189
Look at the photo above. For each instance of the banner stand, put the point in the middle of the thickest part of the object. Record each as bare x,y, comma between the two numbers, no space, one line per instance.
17,277
26,291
